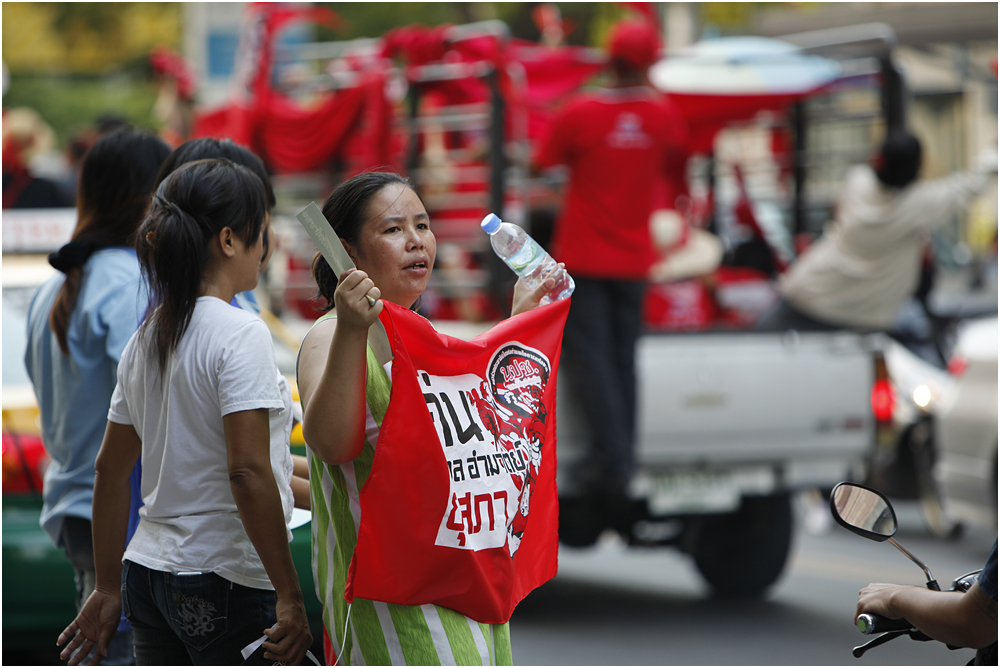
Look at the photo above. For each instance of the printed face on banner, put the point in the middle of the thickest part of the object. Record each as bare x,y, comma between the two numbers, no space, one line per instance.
492,433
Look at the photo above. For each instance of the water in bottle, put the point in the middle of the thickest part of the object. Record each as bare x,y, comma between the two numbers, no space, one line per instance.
528,260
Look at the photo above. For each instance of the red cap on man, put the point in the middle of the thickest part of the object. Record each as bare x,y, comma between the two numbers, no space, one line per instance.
635,43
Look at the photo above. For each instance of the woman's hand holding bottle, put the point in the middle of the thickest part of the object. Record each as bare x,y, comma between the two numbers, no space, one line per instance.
526,298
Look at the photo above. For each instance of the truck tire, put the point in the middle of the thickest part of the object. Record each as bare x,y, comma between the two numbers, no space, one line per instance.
924,454
743,553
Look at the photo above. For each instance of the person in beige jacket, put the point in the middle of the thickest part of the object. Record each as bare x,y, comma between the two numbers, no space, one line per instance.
867,263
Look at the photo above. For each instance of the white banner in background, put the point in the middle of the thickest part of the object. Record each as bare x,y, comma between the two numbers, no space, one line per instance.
37,230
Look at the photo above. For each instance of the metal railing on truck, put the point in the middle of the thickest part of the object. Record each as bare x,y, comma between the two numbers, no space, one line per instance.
494,180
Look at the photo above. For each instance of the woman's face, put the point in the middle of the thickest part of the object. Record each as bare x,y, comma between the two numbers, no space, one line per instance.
268,233
250,257
396,247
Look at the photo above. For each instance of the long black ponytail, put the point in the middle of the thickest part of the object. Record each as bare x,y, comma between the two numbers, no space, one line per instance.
116,182
189,209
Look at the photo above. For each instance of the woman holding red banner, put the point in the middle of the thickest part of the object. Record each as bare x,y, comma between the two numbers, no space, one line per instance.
385,229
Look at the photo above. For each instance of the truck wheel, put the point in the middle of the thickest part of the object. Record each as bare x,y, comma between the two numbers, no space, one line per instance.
742,553
924,455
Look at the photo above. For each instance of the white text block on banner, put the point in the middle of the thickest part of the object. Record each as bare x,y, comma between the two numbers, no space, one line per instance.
37,230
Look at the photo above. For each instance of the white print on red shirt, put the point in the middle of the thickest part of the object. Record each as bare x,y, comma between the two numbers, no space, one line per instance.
628,133
492,432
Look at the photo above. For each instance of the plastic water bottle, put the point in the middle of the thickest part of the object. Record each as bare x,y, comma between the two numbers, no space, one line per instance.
523,254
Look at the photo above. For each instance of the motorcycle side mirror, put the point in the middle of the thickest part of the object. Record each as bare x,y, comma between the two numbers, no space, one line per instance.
869,514
863,511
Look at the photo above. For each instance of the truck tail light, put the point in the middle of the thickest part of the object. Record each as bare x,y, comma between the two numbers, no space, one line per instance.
883,400
883,396
957,365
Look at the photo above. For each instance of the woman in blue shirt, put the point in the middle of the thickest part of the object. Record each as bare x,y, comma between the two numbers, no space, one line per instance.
78,324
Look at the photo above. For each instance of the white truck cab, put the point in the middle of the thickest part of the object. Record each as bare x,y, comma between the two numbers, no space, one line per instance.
728,425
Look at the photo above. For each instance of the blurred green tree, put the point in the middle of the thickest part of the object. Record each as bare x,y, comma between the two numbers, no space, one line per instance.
73,61
366,19
85,37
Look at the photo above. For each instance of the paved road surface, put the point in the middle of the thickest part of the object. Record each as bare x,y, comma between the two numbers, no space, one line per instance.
611,605
615,606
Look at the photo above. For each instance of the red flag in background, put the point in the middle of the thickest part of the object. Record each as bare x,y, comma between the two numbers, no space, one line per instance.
646,10
461,508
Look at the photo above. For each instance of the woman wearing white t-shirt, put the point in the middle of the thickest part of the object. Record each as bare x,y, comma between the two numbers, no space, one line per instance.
208,570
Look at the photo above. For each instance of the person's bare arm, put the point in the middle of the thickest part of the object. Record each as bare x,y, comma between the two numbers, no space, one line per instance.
963,620
259,503
300,467
100,614
300,482
333,369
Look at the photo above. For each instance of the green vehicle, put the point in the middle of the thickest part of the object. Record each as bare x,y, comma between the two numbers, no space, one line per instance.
38,587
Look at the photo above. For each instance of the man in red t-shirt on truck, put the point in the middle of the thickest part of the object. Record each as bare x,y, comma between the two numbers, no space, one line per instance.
619,142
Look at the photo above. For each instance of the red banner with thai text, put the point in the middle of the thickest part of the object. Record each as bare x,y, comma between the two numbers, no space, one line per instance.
461,508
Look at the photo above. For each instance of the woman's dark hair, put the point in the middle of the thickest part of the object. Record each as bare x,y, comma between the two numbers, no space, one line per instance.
346,209
899,159
205,148
191,206
117,178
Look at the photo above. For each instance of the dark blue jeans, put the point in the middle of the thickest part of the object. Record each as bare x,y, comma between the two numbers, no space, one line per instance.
598,365
200,619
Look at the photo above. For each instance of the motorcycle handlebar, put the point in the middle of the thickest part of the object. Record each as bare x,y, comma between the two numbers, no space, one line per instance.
870,624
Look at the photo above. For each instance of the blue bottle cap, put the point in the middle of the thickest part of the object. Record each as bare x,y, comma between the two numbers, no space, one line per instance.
491,223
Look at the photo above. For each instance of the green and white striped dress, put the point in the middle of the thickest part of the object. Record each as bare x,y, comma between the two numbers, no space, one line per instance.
382,633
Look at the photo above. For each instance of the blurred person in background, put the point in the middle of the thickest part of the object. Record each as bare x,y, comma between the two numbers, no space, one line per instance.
81,142
868,261
27,136
78,324
175,85
961,619
618,142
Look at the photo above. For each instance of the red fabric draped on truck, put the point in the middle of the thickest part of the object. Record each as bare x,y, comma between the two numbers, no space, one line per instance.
288,136
358,121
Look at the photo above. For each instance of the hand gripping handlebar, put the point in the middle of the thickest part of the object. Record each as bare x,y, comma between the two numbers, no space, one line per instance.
870,624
